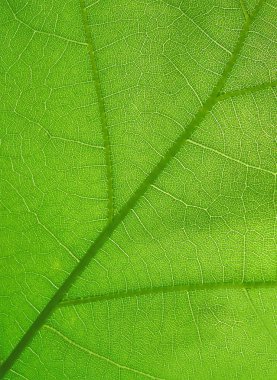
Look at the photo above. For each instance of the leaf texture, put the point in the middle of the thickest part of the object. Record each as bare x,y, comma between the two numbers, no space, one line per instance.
138,181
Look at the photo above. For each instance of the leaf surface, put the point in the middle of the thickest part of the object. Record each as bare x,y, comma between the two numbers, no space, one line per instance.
138,180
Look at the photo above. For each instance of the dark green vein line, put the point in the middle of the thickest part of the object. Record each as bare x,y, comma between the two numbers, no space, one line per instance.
167,289
244,10
130,204
102,111
247,90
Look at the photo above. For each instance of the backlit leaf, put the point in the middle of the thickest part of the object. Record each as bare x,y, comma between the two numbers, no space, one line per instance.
138,182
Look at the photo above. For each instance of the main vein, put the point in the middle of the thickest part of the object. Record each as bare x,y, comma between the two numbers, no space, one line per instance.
130,204
102,110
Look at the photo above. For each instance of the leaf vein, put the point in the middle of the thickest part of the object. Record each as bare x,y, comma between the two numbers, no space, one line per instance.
229,157
247,90
166,289
101,357
102,109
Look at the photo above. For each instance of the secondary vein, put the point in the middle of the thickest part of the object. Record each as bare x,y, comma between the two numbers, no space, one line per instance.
247,90
167,289
98,356
131,203
244,10
102,110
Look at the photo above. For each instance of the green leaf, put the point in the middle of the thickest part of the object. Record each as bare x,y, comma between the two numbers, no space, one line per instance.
138,184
